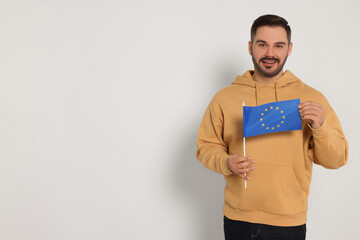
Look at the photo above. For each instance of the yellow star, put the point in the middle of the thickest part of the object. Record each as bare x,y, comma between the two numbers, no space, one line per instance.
281,111
277,108
267,127
262,124
271,107
265,109
260,119
283,116
282,121
262,114
272,128
278,125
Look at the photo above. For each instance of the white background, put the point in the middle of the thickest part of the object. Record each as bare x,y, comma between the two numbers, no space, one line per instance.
100,103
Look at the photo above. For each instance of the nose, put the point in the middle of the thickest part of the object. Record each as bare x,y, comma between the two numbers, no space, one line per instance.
270,51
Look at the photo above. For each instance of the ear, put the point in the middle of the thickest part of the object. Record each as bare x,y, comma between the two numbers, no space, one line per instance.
249,47
290,48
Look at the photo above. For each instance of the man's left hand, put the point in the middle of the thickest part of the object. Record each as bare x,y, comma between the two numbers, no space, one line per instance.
313,112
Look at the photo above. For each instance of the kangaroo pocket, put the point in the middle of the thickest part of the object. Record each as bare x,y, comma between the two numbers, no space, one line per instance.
271,189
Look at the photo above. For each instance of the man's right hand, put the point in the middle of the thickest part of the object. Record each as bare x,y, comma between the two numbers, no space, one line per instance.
240,165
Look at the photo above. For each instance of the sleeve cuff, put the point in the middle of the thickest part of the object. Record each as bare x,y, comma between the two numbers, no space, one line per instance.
321,131
225,168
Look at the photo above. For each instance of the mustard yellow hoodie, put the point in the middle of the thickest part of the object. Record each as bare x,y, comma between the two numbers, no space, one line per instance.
277,192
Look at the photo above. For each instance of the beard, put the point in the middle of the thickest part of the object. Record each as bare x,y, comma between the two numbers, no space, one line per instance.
274,72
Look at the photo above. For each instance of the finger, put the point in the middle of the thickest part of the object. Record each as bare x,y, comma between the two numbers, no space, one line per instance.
246,164
306,105
244,176
314,122
241,160
314,112
309,103
309,115
310,112
312,118
311,106
245,170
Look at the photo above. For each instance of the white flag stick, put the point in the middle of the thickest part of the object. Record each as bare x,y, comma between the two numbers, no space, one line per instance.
244,156
244,142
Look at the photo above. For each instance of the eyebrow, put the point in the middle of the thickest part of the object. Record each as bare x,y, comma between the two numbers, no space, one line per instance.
262,41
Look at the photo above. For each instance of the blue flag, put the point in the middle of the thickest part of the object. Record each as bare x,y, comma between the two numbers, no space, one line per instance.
272,117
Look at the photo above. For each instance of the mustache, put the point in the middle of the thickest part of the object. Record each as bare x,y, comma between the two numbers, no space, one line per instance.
270,58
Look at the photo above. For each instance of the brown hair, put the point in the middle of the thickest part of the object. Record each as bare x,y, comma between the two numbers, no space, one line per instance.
272,21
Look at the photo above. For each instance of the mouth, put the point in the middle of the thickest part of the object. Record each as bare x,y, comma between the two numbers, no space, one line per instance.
269,62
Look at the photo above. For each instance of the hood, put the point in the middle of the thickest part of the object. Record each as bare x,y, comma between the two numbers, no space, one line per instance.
246,80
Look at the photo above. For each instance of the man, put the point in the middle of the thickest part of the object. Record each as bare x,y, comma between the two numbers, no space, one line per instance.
278,166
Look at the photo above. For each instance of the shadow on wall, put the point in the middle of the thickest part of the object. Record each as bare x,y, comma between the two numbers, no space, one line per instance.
202,188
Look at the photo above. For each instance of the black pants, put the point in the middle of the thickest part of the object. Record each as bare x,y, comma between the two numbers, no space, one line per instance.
239,230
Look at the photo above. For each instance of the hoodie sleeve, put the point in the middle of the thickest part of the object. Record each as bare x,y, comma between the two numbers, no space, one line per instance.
329,147
212,151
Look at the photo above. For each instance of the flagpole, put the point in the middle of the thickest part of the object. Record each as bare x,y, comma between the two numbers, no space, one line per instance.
244,156
244,142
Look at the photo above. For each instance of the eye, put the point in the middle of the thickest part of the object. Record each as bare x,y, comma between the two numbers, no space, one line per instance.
279,46
262,45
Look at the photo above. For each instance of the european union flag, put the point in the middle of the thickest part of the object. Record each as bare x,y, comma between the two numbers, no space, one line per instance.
272,117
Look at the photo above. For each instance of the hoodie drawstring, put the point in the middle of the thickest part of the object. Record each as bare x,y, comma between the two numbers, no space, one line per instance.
256,94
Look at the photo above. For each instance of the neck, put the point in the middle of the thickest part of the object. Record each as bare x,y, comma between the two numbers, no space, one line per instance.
258,77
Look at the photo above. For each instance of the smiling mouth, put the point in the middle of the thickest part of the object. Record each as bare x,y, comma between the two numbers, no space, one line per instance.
269,62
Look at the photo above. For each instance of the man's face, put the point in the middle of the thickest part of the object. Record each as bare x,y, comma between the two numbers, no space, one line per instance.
269,50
